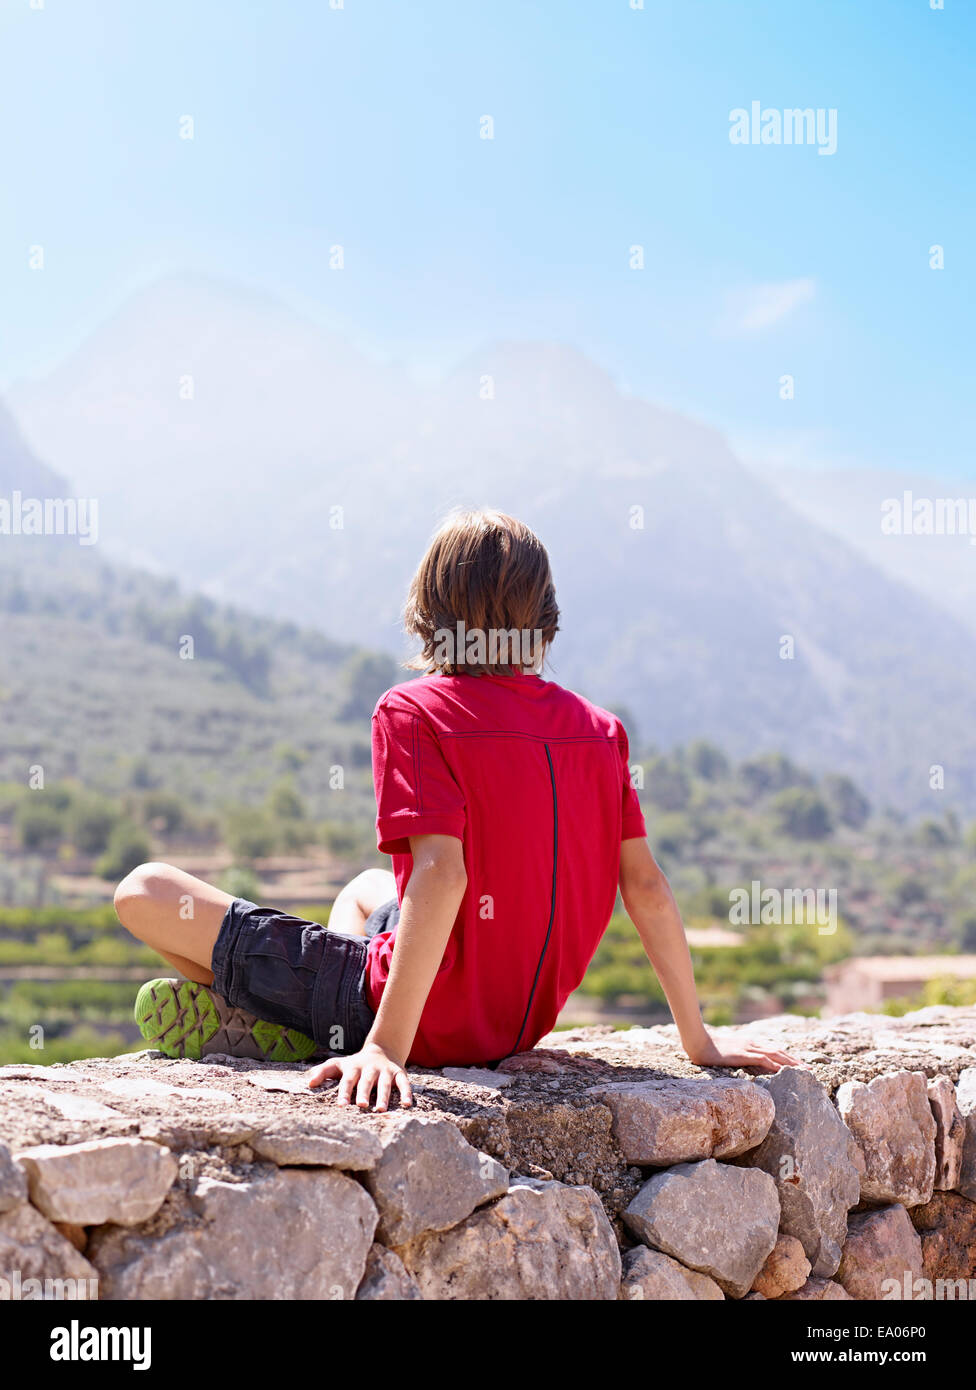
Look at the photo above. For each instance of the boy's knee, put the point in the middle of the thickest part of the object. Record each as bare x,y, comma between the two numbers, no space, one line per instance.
367,884
376,879
146,883
373,887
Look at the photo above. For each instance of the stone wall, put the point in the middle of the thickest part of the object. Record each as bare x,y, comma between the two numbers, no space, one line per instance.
601,1165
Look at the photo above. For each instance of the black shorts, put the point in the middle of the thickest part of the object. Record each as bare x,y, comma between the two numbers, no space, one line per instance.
296,973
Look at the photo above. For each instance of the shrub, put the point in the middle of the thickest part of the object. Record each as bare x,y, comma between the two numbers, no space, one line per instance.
250,834
40,825
908,889
90,824
164,812
847,801
667,785
933,834
127,848
342,838
363,679
284,803
802,814
966,931
240,882
772,772
707,761
672,834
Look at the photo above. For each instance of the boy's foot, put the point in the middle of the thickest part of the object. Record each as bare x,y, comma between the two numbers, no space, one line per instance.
184,1019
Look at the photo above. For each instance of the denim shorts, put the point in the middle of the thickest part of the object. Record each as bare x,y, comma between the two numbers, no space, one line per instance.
296,973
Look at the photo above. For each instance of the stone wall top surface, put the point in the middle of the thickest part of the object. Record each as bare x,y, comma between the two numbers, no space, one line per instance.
599,1165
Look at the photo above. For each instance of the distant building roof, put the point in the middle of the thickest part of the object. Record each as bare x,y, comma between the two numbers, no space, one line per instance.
716,936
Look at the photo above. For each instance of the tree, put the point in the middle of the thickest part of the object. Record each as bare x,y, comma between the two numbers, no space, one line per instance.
802,814
772,772
249,662
908,890
672,834
933,834
127,848
341,838
142,776
363,679
707,761
250,834
629,720
165,811
286,811
284,803
40,825
12,796
966,932
240,883
91,822
290,757
846,800
667,784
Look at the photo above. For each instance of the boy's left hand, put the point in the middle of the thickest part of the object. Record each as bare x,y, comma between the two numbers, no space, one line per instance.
367,1070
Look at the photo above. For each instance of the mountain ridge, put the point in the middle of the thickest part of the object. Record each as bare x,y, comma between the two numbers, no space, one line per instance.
679,571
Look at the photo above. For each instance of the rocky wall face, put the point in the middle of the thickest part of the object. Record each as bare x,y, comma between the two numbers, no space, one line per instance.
602,1165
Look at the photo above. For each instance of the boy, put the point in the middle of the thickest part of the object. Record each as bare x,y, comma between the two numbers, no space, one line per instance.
506,805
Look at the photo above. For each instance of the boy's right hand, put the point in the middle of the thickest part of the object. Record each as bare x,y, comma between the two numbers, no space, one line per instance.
367,1070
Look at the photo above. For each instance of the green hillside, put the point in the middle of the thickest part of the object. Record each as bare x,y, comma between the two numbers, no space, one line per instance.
101,688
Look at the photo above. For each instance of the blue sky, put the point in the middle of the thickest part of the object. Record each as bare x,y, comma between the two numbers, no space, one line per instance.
360,126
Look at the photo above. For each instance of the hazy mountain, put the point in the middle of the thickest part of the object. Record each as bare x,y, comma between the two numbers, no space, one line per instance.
848,502
680,620
20,469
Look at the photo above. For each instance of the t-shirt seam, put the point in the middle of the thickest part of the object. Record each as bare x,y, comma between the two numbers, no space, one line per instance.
535,738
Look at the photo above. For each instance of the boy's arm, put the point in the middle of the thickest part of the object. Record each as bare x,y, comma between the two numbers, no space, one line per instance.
651,907
428,912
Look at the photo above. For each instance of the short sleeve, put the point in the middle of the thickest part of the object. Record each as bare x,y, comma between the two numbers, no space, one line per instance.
632,821
416,793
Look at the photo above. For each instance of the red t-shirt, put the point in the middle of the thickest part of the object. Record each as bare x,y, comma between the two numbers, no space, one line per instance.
535,783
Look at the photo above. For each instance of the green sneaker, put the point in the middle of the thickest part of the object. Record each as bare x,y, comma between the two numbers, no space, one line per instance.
184,1019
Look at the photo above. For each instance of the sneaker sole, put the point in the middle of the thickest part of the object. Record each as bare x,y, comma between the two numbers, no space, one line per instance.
184,1019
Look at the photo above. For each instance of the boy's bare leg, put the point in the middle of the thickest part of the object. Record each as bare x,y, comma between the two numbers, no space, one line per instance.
361,896
176,914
